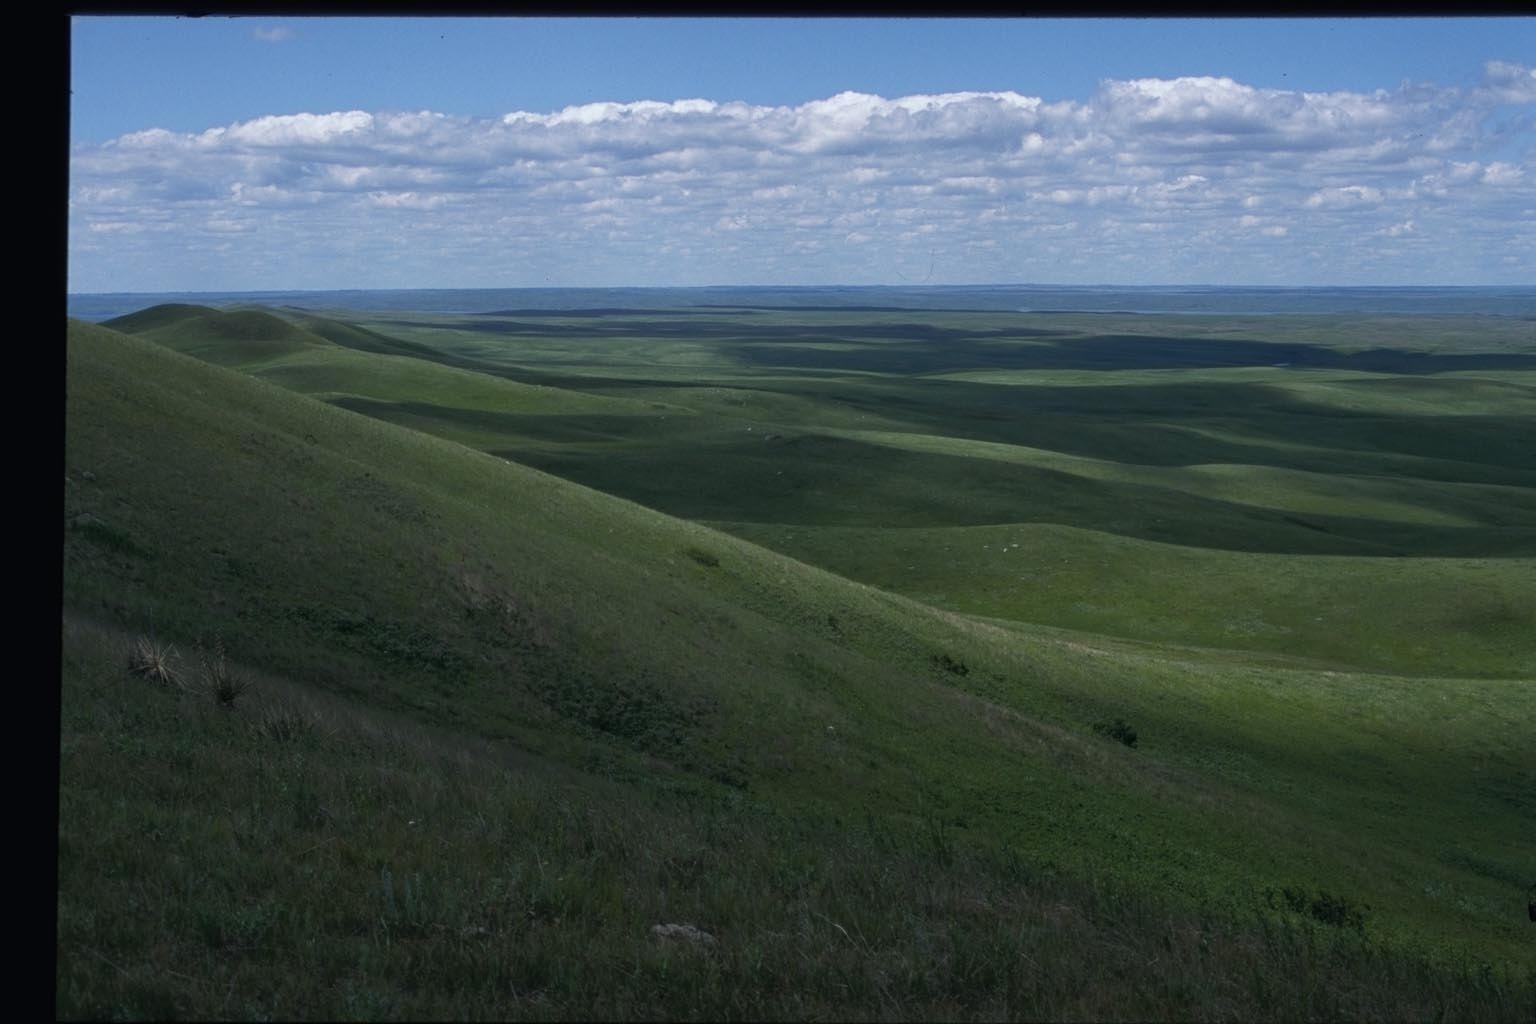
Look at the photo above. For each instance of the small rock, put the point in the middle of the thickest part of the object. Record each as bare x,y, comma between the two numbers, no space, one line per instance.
682,933
88,476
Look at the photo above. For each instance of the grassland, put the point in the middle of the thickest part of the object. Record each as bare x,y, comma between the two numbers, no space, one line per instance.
1207,489
807,648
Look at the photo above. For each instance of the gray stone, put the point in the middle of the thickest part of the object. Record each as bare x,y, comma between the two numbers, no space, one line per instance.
682,933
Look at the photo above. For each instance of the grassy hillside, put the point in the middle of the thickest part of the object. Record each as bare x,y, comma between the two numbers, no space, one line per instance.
733,738
243,337
1417,616
300,857
1423,481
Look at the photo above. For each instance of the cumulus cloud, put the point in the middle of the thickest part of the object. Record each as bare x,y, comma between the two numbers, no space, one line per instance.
1186,179
1344,196
273,33
1509,83
1500,173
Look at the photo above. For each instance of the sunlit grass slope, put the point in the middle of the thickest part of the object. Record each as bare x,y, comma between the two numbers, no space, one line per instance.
415,577
404,382
243,337
1414,616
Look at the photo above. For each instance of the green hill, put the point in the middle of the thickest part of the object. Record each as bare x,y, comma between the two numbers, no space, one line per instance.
241,337
1410,616
609,718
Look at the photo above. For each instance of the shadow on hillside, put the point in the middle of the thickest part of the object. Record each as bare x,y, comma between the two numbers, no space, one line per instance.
734,333
1122,352
833,481
1176,424
1155,424
925,348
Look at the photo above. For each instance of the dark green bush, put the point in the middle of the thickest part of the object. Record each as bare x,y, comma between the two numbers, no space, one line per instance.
950,665
1338,911
1116,730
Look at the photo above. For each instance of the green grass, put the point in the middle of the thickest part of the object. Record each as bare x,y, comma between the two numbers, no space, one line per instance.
351,866
242,337
1412,616
683,682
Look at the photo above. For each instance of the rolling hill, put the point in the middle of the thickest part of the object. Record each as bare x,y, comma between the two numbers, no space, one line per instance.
604,717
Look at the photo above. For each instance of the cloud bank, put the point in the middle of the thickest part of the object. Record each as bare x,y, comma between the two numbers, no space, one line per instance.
1187,180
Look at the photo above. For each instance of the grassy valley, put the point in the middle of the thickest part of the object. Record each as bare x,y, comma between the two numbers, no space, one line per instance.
934,664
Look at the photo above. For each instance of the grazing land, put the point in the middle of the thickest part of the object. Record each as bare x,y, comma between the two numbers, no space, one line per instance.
933,662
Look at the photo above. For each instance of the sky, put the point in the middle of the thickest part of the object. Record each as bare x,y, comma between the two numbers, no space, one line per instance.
231,154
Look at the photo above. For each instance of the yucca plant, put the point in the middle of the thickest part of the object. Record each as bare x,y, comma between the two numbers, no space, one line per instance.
153,660
283,722
224,682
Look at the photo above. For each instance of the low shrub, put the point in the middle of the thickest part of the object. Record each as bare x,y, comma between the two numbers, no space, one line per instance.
1116,730
950,665
1337,911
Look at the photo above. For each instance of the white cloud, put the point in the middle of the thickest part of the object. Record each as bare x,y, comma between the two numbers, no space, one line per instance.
407,200
1344,196
1087,196
273,33
1500,173
291,130
1509,83
596,191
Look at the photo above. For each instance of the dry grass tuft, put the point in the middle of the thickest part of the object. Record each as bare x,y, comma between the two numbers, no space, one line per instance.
153,660
284,722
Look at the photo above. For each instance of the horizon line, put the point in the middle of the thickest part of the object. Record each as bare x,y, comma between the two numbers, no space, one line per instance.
803,287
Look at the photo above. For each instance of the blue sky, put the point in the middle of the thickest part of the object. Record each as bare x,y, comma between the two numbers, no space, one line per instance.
260,153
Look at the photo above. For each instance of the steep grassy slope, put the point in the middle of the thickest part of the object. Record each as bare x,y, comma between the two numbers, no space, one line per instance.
415,577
